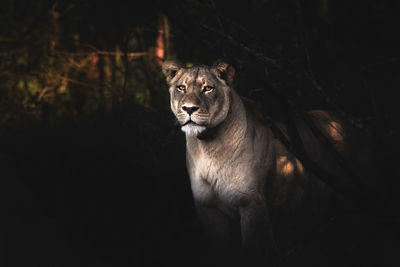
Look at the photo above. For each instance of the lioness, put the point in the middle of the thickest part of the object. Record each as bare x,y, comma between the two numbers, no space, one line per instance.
249,190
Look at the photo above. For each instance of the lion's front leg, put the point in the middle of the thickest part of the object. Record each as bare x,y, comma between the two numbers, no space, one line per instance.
222,233
258,244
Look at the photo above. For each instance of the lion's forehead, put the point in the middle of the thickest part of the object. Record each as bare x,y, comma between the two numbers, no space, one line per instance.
197,76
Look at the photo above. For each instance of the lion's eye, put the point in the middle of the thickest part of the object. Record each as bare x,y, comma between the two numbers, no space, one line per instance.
181,88
208,89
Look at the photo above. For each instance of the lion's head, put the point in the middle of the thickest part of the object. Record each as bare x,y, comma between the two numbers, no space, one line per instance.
199,94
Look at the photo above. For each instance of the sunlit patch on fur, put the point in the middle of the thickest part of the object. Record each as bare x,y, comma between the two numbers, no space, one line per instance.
285,166
288,168
192,129
300,167
335,131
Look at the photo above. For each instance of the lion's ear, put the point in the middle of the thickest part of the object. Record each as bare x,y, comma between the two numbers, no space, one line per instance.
170,67
224,71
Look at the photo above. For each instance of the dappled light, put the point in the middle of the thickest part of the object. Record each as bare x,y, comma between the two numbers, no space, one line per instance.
285,166
335,132
299,166
289,167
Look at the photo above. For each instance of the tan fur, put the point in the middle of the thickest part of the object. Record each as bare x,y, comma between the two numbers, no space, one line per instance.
244,181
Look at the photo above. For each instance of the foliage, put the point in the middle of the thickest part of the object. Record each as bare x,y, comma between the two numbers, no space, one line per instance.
70,59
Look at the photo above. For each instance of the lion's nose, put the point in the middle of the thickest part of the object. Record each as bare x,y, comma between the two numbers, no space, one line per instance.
190,109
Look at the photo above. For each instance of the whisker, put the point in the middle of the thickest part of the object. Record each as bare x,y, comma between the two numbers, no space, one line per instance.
200,117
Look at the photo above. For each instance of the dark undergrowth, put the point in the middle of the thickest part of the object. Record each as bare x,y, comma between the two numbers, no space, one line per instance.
112,190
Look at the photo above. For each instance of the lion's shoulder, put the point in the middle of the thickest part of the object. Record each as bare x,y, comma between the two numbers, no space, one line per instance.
254,110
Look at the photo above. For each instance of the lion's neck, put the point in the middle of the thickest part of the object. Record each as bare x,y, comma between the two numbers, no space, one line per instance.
226,137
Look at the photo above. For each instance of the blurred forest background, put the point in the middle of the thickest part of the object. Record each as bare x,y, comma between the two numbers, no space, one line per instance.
92,162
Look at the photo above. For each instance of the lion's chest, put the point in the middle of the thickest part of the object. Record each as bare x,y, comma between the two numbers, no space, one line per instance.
217,182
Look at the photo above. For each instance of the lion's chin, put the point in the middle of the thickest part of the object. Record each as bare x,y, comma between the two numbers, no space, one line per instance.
193,129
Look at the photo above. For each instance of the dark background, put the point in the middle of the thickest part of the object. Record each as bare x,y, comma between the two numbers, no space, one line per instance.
92,163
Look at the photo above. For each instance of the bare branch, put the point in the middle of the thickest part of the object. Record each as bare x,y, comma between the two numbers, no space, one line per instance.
265,60
108,53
